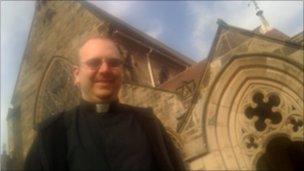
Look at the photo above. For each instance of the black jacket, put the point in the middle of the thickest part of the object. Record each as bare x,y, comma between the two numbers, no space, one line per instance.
49,149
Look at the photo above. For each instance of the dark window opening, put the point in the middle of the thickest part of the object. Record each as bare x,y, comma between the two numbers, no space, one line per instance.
129,61
163,75
282,154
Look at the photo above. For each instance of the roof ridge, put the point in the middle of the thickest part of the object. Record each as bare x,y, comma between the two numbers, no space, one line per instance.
246,31
98,12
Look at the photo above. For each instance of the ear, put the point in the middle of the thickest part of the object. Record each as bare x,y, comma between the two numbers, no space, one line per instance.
76,75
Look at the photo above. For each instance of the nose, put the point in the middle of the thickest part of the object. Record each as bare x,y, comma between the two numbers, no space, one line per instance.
104,67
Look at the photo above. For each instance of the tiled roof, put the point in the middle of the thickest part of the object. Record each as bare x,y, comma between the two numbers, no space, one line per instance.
192,73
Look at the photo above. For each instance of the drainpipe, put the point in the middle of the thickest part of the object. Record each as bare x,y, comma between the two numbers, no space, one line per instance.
149,67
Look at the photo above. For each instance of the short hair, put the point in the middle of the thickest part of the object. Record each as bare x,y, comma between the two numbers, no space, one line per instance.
83,41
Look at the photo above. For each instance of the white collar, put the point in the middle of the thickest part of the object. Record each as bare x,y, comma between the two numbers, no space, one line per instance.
102,108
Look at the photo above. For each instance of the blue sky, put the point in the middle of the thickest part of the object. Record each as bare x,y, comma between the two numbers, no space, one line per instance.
186,26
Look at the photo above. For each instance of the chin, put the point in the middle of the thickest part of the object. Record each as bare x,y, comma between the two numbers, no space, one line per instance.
104,94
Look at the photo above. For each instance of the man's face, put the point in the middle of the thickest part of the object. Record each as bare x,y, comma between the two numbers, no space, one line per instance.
99,73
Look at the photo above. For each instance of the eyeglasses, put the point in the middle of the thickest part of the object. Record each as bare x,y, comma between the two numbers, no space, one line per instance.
95,63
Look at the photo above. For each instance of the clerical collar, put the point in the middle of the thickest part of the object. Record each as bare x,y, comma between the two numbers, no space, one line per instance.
102,108
98,108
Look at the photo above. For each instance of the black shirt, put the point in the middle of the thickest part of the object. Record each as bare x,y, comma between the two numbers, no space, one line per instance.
107,141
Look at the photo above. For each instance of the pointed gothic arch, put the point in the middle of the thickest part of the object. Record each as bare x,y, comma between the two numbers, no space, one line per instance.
56,91
233,137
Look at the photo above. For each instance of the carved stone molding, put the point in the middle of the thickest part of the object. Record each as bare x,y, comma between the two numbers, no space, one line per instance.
175,137
252,100
268,112
57,91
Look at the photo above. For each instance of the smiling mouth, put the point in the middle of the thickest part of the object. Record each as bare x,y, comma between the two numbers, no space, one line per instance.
103,85
105,81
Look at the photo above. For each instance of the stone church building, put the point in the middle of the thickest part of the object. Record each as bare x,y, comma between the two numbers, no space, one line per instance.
241,105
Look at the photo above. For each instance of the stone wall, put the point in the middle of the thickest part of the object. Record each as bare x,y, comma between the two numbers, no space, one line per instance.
166,105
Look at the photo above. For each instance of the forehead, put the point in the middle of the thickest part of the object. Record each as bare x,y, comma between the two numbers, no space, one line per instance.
98,47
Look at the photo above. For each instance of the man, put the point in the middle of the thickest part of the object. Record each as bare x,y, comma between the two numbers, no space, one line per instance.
101,133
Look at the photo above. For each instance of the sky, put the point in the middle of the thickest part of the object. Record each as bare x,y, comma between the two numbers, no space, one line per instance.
186,26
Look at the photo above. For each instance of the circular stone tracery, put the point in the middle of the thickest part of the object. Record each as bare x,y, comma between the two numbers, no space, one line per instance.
234,135
263,110
272,129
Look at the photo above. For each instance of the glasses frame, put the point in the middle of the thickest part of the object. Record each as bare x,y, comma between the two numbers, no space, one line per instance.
96,63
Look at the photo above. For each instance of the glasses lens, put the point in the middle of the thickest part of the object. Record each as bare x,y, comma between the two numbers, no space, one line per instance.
94,63
114,62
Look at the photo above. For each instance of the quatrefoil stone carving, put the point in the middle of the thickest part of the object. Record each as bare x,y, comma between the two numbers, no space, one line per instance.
251,143
296,123
263,110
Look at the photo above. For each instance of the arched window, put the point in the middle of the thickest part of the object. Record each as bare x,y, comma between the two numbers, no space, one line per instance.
282,154
163,74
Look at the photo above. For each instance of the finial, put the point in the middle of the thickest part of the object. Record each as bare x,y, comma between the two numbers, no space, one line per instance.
222,23
265,27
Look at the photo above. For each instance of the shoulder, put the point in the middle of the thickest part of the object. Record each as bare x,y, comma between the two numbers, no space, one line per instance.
142,111
49,122
55,121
